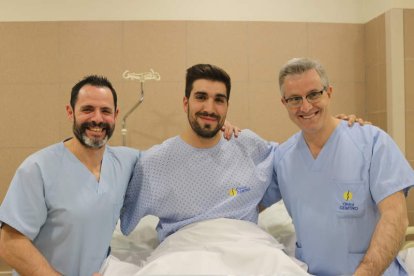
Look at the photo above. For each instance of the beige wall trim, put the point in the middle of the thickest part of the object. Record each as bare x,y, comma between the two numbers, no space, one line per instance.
394,37
332,11
374,8
206,10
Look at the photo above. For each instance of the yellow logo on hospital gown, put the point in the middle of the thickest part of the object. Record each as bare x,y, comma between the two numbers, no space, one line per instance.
238,190
233,192
347,195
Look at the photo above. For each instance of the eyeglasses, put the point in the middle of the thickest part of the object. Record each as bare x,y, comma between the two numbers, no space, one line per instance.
312,97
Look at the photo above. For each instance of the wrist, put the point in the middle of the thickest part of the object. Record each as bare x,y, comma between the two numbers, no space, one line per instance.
366,268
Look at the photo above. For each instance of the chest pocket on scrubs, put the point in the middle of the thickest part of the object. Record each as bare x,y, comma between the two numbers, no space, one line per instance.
350,198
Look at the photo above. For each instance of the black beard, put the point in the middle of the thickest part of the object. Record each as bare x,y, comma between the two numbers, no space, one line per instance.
80,134
205,132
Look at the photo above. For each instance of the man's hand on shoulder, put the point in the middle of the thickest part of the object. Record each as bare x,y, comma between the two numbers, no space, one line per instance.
229,130
352,119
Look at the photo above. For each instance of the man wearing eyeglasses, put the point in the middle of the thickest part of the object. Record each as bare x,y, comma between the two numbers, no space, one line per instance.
344,187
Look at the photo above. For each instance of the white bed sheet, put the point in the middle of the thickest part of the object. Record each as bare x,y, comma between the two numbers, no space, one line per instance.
139,245
215,247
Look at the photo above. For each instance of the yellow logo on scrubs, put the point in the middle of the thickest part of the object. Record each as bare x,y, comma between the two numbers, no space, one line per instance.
233,192
347,195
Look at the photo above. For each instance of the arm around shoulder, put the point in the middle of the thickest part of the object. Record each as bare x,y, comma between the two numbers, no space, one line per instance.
20,253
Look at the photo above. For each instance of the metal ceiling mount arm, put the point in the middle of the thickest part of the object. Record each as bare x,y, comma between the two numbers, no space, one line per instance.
142,77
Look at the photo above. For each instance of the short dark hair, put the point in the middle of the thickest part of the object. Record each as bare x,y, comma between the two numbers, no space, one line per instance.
208,72
94,80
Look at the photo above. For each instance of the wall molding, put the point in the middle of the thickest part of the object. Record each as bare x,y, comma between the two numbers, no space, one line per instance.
332,11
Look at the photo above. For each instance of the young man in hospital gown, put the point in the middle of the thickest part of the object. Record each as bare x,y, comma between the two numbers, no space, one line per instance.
197,177
64,201
344,187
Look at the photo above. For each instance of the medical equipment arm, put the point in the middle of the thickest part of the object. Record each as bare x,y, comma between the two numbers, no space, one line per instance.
19,252
388,236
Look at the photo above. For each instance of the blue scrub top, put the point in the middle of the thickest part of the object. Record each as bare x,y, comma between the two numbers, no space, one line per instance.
57,203
333,199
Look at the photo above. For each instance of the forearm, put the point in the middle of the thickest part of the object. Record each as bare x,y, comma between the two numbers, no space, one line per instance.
18,252
387,238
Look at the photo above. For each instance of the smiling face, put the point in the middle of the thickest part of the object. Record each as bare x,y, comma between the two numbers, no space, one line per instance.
206,107
93,116
311,118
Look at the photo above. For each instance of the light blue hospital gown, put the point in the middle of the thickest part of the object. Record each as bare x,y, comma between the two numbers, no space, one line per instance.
57,203
181,184
333,198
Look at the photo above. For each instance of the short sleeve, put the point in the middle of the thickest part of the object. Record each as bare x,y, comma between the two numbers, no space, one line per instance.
24,207
389,171
272,194
132,212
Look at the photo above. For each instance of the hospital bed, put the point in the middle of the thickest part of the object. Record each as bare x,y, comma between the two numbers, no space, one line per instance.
139,245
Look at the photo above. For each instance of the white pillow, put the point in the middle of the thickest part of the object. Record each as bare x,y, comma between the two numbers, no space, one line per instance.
137,246
276,221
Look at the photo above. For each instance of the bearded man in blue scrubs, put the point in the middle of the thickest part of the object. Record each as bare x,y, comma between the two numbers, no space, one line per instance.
64,201
344,187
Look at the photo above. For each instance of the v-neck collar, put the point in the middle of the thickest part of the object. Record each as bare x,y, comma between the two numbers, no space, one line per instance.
316,164
99,186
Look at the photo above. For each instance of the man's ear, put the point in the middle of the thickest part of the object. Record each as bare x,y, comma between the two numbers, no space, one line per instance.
69,112
116,113
185,104
329,91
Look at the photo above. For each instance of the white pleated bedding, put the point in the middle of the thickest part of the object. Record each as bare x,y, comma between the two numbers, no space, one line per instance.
224,252
214,247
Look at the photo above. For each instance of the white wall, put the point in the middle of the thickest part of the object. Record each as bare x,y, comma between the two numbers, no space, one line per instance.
335,11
